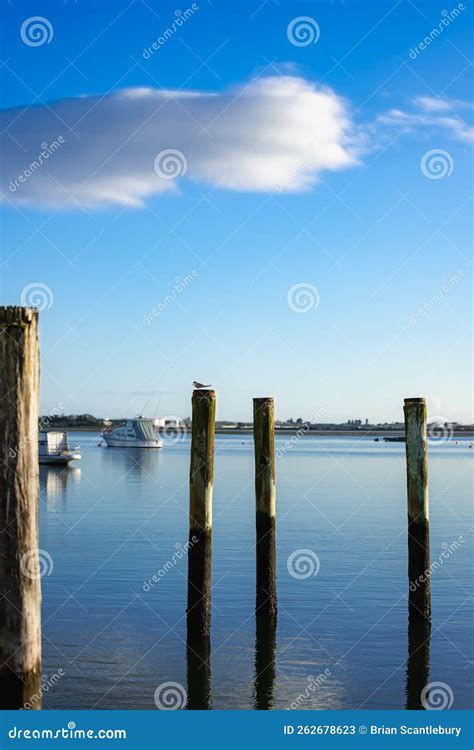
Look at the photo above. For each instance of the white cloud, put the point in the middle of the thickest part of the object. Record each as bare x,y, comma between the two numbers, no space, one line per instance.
274,133
432,113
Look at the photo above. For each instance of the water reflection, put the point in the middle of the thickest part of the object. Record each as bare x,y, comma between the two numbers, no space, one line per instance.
419,613
198,620
265,663
265,612
418,662
54,482
137,463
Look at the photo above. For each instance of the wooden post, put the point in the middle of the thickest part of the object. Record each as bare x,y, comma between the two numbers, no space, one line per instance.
264,442
418,512
20,601
201,478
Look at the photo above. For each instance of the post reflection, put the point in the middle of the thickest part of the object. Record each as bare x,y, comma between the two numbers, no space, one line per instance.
198,620
265,642
419,613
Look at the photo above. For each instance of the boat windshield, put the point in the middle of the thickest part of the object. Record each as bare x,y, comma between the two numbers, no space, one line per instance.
144,429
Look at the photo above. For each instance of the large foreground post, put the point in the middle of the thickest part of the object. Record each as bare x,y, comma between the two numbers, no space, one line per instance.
201,479
265,492
20,600
418,510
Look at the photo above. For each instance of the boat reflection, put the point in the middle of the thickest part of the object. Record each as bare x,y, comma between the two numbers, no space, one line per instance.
54,481
137,463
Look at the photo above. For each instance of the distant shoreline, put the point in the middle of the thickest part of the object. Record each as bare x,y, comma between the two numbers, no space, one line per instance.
381,433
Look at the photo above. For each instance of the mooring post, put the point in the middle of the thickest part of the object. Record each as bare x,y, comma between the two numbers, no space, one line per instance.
265,492
418,509
20,601
201,479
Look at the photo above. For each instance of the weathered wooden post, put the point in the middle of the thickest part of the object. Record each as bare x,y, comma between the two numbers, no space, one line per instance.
265,492
20,590
418,511
201,477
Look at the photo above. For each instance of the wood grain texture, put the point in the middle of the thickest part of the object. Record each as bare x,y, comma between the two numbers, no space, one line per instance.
20,604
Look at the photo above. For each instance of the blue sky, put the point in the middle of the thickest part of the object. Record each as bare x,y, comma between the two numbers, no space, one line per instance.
376,237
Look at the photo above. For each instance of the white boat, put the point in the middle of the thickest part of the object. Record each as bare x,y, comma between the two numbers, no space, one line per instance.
53,448
134,433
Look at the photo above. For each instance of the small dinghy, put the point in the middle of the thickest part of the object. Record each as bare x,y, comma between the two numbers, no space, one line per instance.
53,448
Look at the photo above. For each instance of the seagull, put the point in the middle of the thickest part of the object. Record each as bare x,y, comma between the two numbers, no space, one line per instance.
198,385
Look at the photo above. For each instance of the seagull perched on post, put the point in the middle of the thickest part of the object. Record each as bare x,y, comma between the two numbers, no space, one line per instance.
198,385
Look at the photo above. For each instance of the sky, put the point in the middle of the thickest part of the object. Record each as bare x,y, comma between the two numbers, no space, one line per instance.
271,197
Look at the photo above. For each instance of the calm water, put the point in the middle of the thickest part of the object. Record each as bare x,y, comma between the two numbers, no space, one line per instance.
111,524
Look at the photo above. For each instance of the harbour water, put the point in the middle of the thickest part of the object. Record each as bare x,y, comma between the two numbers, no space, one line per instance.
112,535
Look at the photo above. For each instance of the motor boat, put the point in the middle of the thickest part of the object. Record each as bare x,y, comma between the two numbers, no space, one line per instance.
134,433
54,448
